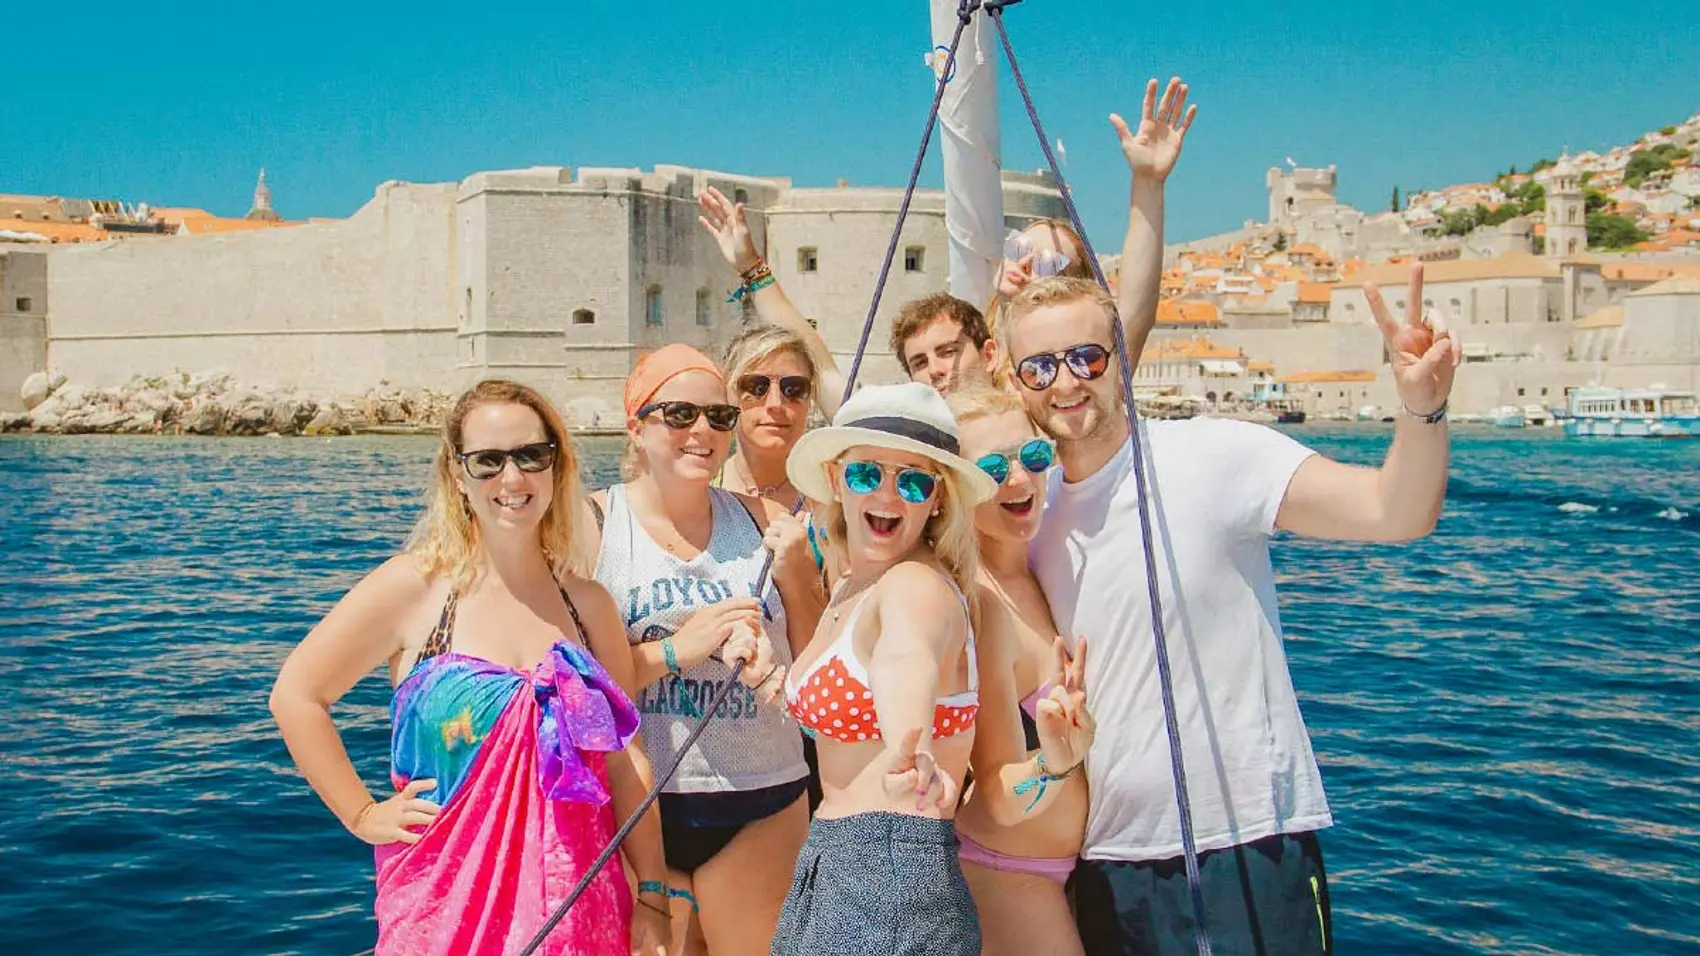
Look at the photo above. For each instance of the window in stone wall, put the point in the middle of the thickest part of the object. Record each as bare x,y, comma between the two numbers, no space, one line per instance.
1520,393
1457,310
25,303
584,317
652,307
808,259
705,314
915,259
740,196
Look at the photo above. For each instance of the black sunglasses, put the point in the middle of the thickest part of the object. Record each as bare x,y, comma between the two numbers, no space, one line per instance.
489,462
1085,362
794,388
721,418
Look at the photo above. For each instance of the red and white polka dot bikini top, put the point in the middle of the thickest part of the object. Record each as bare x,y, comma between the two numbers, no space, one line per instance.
834,698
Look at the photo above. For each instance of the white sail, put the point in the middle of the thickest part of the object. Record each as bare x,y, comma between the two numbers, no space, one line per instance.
969,142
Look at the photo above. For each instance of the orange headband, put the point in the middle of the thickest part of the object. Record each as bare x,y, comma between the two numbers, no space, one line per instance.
662,366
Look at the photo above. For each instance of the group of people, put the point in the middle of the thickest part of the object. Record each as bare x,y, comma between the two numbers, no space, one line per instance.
946,734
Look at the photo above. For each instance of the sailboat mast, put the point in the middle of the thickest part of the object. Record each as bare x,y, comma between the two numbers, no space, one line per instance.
973,169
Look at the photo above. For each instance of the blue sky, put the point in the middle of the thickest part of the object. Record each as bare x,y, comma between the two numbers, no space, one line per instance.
180,104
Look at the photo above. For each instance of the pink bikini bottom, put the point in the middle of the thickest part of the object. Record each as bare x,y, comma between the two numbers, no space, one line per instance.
1053,869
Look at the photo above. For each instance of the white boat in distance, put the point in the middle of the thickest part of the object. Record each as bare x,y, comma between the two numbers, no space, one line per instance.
1596,412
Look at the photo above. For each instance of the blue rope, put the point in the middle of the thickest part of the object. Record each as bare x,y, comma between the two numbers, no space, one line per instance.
1201,936
965,11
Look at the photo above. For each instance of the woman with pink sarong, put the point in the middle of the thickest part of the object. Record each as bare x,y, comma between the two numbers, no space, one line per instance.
514,747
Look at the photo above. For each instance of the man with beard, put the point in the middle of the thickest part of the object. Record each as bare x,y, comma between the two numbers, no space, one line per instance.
1219,490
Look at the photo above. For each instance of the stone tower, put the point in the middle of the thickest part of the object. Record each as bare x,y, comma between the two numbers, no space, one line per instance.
263,201
1567,220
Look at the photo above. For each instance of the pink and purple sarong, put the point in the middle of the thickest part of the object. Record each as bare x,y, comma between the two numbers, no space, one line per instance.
518,757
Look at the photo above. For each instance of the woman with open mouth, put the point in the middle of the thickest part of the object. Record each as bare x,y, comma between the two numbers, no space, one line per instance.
1017,870
888,686
681,558
514,747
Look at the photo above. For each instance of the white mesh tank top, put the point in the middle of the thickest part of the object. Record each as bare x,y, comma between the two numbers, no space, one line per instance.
749,745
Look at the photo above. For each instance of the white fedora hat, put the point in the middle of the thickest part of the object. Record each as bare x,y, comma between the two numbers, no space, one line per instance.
911,417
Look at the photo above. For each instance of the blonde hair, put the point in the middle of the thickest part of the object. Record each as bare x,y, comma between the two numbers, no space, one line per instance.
446,539
1056,290
757,341
977,400
951,534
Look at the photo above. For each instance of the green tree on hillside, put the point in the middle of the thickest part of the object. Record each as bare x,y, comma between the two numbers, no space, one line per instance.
1532,197
1280,242
1645,162
1593,200
1540,165
1613,232
1668,130
1395,206
1504,212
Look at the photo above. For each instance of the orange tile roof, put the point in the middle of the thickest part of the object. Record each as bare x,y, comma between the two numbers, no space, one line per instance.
1200,348
1306,249
1301,378
1514,265
56,231
213,224
1316,293
1261,367
1187,312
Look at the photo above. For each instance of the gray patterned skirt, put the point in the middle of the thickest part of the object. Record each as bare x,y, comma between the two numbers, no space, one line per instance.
881,883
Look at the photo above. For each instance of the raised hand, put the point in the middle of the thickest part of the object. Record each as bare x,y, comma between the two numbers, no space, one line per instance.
915,775
1424,352
388,822
1152,150
1065,726
724,220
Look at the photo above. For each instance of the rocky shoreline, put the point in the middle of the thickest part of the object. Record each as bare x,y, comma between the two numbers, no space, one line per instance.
213,403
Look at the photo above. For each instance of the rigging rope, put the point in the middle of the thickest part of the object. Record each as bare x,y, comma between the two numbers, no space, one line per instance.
1189,849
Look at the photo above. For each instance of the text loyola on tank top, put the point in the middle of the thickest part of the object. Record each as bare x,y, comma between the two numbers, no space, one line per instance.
748,745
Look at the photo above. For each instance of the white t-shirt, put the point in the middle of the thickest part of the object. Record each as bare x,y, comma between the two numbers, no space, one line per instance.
1249,768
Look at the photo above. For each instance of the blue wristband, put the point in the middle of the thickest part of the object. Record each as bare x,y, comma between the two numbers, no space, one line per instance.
668,655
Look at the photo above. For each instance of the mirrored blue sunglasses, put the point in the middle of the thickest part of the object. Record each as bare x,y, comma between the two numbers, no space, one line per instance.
913,485
1037,456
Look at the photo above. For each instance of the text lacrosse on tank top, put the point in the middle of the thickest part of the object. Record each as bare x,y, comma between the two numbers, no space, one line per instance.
748,745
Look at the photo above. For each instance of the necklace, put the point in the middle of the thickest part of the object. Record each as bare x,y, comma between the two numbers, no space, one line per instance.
758,491
843,597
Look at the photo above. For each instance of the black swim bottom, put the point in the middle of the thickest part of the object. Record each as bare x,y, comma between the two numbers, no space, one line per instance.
1264,898
881,884
696,826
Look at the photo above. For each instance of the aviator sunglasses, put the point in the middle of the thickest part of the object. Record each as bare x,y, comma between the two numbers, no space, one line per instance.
913,485
1036,455
1046,262
1086,362
721,418
489,462
794,388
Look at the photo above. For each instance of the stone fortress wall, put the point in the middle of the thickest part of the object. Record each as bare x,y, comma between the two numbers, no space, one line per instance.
560,278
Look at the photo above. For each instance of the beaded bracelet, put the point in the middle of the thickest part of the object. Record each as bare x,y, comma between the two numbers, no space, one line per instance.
669,657
652,886
755,280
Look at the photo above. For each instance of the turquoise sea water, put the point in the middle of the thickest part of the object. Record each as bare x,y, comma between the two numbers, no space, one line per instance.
1507,713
